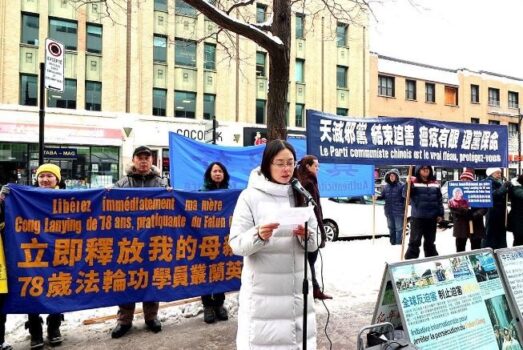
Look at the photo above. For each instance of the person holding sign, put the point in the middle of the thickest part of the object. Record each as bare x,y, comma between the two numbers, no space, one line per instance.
426,204
515,217
270,313
468,223
307,174
496,231
216,177
141,173
392,193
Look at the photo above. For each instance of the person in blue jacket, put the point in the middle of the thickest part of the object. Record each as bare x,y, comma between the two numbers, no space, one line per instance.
426,205
392,193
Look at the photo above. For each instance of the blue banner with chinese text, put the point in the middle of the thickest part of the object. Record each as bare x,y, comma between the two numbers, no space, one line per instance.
190,158
70,250
405,141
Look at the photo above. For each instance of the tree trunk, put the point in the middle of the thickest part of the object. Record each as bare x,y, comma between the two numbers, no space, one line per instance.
279,62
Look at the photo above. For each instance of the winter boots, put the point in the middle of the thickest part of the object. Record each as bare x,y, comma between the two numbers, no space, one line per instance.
53,330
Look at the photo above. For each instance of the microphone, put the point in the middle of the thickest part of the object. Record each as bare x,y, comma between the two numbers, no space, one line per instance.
298,187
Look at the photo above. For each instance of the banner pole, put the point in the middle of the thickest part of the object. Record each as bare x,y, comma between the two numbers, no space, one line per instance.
373,218
405,213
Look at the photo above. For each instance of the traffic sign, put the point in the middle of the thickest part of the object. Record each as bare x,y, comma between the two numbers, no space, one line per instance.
54,65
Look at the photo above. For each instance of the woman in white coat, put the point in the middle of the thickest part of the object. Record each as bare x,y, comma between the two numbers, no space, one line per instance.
270,314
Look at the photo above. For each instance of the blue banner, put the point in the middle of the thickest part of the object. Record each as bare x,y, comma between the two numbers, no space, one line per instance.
190,158
71,250
405,141
478,194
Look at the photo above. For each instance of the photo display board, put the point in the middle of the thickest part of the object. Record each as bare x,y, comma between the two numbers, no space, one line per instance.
451,302
511,265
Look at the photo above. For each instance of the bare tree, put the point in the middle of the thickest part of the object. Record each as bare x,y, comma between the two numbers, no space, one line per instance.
273,35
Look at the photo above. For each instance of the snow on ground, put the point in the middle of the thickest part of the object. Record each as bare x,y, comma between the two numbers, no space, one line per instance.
352,273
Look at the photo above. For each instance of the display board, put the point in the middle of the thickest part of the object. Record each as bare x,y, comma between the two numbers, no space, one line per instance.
478,194
450,302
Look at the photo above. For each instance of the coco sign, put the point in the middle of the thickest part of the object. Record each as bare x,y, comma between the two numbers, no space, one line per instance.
54,65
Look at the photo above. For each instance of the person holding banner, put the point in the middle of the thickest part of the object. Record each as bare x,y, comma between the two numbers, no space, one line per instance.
307,172
141,173
270,313
216,177
392,193
426,204
496,230
468,222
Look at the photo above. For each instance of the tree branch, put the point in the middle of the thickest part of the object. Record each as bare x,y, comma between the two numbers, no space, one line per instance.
239,4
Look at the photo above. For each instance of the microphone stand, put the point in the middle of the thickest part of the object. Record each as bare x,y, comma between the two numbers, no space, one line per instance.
305,288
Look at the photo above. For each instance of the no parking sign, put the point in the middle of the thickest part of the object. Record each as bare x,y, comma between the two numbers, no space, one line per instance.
54,65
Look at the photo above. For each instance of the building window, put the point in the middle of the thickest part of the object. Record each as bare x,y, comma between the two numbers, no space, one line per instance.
94,38
160,5
493,97
300,20
342,111
65,32
451,95
30,27
209,56
209,106
66,99
183,8
341,34
410,89
160,49
300,109
260,111
512,130
474,120
185,104
341,77
28,90
261,13
493,122
160,102
185,53
385,86
261,58
513,99
93,96
474,93
299,71
430,92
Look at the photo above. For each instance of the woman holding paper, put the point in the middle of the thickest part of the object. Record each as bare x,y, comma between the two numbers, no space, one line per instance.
270,313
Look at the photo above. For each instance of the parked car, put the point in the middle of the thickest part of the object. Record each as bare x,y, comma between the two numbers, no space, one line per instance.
352,217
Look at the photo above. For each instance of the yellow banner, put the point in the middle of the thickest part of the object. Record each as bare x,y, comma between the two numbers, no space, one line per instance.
3,269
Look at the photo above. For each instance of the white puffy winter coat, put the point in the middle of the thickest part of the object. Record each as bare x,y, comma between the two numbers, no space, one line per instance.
271,297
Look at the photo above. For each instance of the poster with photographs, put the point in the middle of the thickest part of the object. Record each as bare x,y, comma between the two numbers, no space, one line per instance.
454,302
386,309
474,194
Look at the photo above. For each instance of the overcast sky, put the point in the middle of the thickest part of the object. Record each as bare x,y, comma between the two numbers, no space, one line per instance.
474,34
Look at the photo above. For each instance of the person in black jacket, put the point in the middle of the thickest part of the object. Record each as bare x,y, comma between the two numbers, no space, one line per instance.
392,193
426,204
307,173
216,177
496,215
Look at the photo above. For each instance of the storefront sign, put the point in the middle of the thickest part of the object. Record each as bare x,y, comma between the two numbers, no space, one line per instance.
405,141
60,153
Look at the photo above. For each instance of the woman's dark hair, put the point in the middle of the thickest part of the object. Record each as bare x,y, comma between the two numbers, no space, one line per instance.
209,184
271,150
302,170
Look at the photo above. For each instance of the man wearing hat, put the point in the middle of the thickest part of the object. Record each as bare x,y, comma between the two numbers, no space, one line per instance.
495,219
141,173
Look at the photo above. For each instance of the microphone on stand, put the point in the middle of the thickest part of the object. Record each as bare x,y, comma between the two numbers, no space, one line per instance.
298,187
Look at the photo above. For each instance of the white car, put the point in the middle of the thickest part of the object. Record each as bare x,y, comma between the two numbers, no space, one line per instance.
352,217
